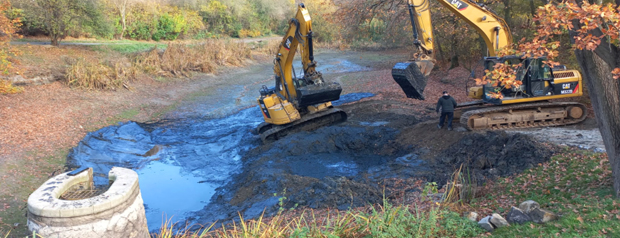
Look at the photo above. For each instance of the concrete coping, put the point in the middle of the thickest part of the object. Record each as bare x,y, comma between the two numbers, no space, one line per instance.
46,202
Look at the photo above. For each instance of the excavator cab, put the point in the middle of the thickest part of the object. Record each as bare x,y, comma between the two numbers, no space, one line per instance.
537,80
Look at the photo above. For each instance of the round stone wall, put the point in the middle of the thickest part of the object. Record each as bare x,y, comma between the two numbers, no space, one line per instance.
117,212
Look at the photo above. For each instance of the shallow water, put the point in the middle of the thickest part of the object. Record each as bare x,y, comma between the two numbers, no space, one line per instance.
194,158
181,163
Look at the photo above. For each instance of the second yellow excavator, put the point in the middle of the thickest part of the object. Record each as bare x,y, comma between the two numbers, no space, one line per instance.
520,107
297,103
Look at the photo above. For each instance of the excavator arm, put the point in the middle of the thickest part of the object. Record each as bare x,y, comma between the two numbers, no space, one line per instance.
412,75
491,27
297,102
310,89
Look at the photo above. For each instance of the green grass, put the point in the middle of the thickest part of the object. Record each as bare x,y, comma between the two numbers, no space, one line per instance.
574,184
383,221
27,179
123,116
128,47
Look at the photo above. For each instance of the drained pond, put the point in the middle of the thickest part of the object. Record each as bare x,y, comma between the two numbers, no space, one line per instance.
182,163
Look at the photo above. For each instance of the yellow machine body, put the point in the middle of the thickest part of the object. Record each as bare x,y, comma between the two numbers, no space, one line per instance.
518,107
277,111
297,103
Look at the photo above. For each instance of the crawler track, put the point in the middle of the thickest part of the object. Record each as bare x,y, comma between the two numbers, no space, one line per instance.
308,122
524,116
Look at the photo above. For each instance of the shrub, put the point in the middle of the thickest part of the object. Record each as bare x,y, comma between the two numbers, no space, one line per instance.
96,75
165,28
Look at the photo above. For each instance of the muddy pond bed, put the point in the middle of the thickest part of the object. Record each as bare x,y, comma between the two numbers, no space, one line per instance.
201,170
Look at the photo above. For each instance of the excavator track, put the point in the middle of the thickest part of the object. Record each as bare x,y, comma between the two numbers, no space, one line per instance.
524,116
306,123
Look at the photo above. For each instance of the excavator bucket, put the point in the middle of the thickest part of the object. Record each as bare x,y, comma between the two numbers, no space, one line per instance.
316,94
412,77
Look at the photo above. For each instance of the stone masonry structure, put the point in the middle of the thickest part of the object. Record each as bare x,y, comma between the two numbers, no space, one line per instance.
118,212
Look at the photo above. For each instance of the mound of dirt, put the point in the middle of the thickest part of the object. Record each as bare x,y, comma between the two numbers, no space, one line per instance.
332,167
490,155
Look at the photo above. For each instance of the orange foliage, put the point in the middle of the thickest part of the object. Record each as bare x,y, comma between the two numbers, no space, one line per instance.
596,22
8,28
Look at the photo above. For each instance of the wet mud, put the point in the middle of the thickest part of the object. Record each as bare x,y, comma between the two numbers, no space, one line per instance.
208,170
201,168
180,163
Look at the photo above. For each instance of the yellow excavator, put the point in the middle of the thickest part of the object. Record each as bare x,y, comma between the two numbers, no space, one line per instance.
297,102
521,107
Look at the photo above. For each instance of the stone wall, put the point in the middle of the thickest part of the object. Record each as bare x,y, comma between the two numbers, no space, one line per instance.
118,212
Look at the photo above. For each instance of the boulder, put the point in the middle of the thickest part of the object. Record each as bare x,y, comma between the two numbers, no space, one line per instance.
486,224
528,206
517,215
542,216
498,221
472,216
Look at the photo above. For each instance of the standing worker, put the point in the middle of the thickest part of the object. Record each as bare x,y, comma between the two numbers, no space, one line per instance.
447,105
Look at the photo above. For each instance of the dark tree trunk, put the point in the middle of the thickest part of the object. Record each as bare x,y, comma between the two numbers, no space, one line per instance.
508,13
439,54
454,60
605,97
604,93
55,39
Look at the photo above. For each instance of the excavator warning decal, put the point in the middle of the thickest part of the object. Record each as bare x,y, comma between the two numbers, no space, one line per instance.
288,42
458,4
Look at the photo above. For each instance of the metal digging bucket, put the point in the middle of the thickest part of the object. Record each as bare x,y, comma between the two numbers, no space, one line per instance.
412,77
315,94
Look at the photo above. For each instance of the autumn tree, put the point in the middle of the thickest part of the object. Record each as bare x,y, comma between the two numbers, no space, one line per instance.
122,7
60,16
595,34
8,26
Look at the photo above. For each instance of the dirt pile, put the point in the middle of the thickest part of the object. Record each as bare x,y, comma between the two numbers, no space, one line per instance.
490,155
332,167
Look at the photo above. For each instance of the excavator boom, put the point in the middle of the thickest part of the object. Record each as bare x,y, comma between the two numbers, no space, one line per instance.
412,75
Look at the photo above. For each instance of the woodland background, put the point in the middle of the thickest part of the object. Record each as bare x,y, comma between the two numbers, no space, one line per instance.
356,23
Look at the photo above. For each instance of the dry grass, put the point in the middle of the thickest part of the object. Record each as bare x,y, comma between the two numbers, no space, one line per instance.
429,216
91,75
269,47
180,60
177,60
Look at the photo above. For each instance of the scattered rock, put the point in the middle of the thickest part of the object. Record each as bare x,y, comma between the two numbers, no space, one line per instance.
528,206
486,224
153,151
517,215
472,216
19,80
498,221
542,216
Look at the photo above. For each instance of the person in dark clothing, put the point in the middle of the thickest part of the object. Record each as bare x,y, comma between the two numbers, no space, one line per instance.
447,105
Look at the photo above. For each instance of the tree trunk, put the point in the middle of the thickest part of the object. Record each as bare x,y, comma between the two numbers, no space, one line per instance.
124,25
508,13
123,12
605,97
439,54
55,40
